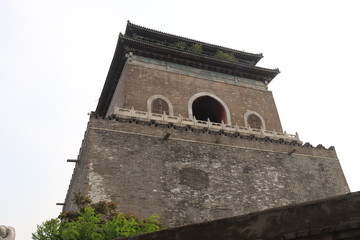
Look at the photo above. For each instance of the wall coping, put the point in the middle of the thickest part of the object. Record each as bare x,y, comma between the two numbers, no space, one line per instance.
336,217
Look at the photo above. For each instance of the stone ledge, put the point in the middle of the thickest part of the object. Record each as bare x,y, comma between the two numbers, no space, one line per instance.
200,124
199,129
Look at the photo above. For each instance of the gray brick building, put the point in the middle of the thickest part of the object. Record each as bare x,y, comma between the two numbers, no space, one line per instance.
189,131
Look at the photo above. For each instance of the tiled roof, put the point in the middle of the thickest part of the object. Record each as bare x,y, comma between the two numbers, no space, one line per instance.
131,28
157,45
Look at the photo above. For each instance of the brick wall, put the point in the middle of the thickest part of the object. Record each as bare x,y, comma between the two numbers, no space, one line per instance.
195,175
140,81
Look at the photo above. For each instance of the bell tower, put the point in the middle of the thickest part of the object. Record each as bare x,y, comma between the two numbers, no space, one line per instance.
189,131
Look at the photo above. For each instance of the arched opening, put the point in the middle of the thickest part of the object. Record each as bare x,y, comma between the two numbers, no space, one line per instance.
160,106
207,107
254,121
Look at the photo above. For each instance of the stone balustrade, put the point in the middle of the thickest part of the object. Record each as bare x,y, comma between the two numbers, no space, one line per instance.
181,121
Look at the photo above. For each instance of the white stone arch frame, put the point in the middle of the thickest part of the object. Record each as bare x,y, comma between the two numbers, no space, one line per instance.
248,113
202,94
153,97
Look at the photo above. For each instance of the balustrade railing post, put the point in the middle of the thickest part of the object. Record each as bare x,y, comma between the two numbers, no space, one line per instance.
210,125
236,127
262,131
274,133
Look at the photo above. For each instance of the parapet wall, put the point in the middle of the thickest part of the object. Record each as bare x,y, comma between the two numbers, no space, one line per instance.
193,123
189,175
216,133
327,219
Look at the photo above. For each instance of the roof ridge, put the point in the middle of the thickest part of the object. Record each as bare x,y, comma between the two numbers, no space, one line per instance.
276,70
259,55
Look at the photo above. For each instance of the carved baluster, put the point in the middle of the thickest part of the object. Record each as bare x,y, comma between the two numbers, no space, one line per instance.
7,233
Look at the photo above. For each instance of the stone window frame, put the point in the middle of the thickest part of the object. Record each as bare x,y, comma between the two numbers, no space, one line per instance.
202,94
153,97
248,113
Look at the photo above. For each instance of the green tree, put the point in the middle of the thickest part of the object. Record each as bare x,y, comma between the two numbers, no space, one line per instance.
94,221
50,229
87,226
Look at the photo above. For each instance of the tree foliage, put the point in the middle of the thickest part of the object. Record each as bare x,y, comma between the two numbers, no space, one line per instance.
225,56
196,48
180,45
94,221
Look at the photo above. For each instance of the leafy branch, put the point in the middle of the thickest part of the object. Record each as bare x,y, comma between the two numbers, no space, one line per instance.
94,221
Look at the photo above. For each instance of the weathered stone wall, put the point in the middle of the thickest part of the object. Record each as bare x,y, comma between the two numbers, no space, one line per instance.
140,81
327,219
195,175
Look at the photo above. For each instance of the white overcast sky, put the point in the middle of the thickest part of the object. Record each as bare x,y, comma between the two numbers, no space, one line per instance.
54,57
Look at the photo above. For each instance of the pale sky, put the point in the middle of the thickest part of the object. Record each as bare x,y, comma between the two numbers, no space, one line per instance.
54,58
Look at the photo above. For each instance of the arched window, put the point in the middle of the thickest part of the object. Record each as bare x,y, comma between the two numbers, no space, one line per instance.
160,104
206,106
254,120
